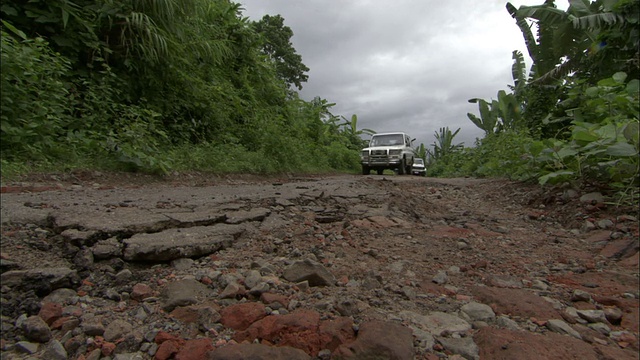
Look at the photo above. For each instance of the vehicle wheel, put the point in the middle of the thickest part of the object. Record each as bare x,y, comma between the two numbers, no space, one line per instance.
408,169
380,171
402,169
366,170
424,174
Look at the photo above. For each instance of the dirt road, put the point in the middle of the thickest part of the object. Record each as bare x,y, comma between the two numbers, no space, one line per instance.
334,267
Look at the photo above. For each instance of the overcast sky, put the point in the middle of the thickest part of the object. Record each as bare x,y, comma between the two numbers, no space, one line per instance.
403,65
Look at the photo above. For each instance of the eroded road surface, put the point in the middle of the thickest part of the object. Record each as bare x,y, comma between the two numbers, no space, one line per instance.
337,267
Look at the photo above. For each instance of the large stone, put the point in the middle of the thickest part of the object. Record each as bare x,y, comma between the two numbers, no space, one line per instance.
257,352
379,340
26,347
180,243
592,198
203,315
504,344
119,219
93,327
516,302
196,349
52,278
183,293
301,329
504,281
55,351
117,329
107,249
436,322
50,312
240,316
464,346
592,316
478,312
562,327
141,291
35,329
311,271
61,296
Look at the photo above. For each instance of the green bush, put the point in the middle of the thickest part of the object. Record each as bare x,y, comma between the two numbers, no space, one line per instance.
33,98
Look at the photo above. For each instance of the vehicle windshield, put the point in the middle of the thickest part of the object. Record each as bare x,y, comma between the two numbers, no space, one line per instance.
418,161
387,140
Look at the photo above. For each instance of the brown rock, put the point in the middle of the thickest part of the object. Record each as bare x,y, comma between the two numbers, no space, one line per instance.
240,316
35,329
195,349
269,298
163,336
379,340
504,281
302,329
167,349
73,344
504,344
518,302
141,292
336,332
50,312
196,314
108,348
257,352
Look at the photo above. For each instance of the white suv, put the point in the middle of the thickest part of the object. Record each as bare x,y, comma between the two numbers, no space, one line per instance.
388,151
418,167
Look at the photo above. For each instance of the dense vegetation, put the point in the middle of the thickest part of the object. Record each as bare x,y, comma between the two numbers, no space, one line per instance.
159,85
163,85
573,117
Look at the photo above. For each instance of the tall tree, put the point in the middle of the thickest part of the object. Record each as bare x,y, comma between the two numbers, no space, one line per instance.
278,47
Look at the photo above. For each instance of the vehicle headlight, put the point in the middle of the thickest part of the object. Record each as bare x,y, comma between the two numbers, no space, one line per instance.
395,152
364,153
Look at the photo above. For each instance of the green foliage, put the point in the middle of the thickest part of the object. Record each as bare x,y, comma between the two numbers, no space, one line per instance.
277,46
443,146
421,151
603,144
505,154
502,114
352,134
160,85
33,97
445,157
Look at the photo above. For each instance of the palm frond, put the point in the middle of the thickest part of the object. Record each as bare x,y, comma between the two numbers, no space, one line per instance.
525,28
596,21
142,34
579,7
558,72
518,72
543,13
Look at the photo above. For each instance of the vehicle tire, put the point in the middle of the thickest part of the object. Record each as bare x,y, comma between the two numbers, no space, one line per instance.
424,174
380,171
408,169
366,170
402,169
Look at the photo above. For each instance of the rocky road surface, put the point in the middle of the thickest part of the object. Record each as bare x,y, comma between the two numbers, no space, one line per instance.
97,266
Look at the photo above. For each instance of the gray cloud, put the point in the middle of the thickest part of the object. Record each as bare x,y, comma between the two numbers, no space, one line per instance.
402,65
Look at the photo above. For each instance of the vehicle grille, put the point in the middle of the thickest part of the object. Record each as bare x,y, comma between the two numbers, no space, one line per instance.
379,156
